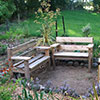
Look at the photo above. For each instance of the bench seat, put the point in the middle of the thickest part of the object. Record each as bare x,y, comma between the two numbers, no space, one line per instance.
33,63
71,54
20,64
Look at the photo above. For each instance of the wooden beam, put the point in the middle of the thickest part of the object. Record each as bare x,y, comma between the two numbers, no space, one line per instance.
27,72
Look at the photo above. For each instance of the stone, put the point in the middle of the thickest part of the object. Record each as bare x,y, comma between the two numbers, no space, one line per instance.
76,63
95,60
82,64
95,65
86,65
70,63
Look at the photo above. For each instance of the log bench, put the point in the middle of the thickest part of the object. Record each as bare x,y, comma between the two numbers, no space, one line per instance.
28,61
73,48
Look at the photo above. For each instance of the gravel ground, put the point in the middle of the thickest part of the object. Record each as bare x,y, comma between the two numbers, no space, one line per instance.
77,77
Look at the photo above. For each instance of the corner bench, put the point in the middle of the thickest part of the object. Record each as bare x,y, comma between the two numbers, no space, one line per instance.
28,61
73,48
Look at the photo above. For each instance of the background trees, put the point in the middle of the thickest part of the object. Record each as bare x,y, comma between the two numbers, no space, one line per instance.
25,8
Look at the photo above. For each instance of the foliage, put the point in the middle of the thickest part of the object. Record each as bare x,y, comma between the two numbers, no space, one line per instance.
6,87
96,5
3,48
45,17
4,79
7,9
15,34
86,30
34,91
6,91
47,90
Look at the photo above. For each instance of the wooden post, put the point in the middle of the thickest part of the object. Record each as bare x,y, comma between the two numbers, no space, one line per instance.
56,29
27,72
63,24
99,73
9,53
90,59
46,52
53,60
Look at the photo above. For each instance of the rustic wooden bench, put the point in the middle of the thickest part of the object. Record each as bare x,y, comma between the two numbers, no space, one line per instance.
27,60
73,48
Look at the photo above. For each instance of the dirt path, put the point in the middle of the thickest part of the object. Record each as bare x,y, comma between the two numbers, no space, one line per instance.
77,77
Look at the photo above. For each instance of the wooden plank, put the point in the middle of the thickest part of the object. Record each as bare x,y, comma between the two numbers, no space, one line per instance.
90,46
42,47
20,58
39,65
26,52
71,54
99,60
75,39
18,71
21,64
74,47
55,45
70,58
24,46
36,63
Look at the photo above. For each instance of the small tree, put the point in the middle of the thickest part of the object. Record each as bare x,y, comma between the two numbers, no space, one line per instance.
46,18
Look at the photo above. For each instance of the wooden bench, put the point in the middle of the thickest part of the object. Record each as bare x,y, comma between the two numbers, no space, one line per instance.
73,48
27,60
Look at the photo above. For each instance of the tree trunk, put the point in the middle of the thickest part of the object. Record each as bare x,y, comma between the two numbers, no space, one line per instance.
7,25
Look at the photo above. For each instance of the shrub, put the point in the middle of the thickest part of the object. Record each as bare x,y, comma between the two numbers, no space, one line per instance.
3,48
86,30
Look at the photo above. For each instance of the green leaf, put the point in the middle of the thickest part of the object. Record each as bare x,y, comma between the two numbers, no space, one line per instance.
95,92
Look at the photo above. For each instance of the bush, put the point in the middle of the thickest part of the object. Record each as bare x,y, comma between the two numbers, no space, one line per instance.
86,30
3,49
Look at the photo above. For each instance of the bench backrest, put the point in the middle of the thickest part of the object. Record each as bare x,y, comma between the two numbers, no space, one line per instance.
71,46
74,39
21,48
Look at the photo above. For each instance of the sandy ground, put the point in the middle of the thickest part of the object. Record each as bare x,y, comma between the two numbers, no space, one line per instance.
77,77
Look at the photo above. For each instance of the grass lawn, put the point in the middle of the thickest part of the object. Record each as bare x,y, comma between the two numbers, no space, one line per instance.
74,21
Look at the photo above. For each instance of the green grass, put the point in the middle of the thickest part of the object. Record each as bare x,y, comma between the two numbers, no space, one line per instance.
74,21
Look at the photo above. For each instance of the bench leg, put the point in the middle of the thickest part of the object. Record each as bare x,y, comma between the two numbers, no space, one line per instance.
99,73
27,73
89,64
53,60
